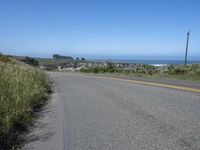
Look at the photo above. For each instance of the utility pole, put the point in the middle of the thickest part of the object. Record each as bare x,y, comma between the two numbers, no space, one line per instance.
186,50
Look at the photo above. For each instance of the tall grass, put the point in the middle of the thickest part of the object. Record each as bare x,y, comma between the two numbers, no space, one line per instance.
22,88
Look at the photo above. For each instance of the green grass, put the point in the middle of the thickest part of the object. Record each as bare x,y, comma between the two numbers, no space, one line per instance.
22,89
189,73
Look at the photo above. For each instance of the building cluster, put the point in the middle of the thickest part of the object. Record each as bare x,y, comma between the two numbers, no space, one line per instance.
77,65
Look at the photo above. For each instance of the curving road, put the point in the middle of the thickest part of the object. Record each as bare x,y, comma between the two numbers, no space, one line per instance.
106,114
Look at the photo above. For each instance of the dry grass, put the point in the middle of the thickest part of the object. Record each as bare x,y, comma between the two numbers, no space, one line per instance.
22,88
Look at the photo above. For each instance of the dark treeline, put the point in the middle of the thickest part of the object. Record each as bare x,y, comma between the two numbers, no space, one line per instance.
57,57
30,61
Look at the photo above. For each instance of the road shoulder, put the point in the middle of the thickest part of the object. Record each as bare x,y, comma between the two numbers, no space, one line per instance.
47,132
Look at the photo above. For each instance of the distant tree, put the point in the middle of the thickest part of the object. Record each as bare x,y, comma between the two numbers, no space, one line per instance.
83,59
1,54
30,61
58,57
77,58
66,57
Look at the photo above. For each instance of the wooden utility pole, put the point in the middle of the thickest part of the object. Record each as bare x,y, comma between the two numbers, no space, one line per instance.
186,50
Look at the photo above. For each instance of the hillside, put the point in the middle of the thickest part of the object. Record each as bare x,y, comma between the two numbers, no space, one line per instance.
23,88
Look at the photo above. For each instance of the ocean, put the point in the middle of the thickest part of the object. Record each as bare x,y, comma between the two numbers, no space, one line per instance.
153,62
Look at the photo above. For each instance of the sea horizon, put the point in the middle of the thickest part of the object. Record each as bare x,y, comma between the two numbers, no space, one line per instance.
148,61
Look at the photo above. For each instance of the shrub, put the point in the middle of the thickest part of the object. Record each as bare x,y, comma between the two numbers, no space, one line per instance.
195,67
4,59
180,71
198,73
86,70
30,61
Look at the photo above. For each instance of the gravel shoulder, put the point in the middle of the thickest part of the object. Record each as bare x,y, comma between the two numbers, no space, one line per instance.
47,132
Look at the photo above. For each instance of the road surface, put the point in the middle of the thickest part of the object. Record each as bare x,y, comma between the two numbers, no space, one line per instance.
106,114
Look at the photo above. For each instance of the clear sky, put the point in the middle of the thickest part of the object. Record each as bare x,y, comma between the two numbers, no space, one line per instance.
100,28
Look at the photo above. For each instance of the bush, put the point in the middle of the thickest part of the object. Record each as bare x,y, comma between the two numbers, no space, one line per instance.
198,73
86,70
178,71
4,59
195,67
30,61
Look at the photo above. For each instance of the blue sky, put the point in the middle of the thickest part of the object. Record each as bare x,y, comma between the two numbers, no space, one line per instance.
100,28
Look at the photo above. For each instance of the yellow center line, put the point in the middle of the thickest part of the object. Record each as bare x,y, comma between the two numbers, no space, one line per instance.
155,84
197,90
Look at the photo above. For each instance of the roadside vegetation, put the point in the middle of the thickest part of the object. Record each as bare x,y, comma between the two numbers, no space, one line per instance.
189,73
22,89
50,64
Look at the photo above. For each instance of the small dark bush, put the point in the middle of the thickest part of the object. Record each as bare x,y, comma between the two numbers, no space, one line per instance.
4,59
180,71
198,73
194,67
30,61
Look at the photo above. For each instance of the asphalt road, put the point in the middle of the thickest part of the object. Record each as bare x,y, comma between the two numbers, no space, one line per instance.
106,114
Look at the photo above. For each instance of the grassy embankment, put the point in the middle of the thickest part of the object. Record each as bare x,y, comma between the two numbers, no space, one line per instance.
22,89
189,73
